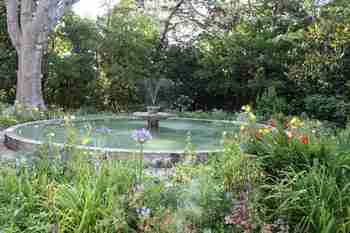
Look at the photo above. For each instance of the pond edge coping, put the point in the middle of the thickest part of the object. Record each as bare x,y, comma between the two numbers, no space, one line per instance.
17,142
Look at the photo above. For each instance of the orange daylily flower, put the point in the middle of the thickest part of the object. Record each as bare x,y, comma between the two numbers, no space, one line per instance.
304,139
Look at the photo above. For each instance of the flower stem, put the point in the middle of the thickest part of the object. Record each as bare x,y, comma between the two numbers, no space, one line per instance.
141,163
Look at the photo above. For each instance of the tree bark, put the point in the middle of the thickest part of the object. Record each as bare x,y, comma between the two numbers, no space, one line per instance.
29,24
29,77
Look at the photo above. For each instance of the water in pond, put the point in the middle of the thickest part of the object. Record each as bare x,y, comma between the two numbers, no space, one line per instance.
116,134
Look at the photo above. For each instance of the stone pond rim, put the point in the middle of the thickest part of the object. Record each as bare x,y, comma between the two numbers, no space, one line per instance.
15,141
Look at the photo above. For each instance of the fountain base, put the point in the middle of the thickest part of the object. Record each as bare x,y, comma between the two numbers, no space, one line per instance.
153,118
152,124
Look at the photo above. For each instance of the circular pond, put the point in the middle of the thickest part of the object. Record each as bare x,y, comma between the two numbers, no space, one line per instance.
114,134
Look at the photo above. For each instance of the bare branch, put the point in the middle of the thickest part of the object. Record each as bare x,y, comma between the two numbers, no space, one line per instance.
40,18
57,11
48,14
12,22
168,21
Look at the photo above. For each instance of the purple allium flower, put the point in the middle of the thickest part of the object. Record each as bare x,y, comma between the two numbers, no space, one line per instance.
141,135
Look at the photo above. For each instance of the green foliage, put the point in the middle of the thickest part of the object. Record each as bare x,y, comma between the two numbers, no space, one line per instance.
327,108
307,170
94,204
215,114
302,183
294,47
72,77
183,103
297,149
269,103
96,64
7,121
126,51
18,114
314,201
69,191
237,170
8,62
69,198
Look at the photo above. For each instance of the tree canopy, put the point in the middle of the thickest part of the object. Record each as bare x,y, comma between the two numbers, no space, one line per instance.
239,53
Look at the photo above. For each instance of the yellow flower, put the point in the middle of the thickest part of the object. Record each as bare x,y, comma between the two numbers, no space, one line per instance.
264,131
296,123
247,108
242,128
294,120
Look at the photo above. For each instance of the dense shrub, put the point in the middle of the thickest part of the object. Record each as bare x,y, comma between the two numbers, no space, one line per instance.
307,171
327,108
269,104
293,147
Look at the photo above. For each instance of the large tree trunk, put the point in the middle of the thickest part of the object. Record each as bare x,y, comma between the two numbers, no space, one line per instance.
29,23
29,77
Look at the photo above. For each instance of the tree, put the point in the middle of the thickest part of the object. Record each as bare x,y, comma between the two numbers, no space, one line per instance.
125,54
72,62
29,24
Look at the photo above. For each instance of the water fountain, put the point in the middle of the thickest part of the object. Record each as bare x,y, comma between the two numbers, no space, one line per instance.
153,116
112,134
169,138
